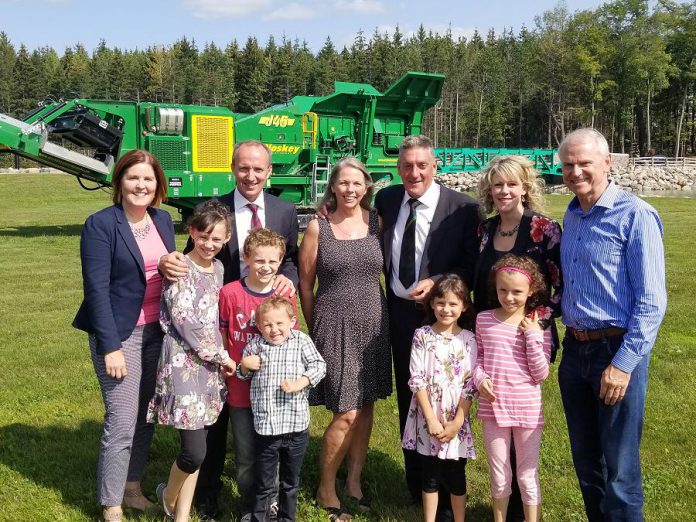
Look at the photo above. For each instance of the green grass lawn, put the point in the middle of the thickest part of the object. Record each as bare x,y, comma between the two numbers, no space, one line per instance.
51,408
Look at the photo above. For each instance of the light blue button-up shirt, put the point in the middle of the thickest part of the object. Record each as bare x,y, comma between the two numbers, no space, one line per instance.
614,271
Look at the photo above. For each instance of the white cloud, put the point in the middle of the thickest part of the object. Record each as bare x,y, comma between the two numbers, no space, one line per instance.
294,11
226,8
360,6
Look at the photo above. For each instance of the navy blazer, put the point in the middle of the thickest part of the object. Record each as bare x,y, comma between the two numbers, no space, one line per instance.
452,243
281,217
113,275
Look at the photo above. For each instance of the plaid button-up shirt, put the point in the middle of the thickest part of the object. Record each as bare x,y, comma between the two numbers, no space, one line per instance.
276,412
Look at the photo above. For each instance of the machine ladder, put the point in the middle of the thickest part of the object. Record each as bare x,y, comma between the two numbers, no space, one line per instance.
320,176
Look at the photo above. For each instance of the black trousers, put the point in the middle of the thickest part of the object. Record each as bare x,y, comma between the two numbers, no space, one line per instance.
278,452
210,474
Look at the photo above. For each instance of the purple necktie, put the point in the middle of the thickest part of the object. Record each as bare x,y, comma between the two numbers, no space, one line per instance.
255,220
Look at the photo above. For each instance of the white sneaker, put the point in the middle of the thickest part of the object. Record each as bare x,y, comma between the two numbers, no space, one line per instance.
274,511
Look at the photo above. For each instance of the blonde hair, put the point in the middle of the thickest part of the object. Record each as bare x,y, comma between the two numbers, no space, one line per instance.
512,167
329,199
263,237
275,302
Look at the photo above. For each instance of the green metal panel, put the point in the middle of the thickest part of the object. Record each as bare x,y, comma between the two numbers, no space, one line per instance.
474,160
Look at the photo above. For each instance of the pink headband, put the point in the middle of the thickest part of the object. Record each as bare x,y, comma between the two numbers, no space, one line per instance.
518,270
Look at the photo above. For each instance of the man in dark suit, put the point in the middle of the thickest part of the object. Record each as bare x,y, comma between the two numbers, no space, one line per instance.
442,240
253,208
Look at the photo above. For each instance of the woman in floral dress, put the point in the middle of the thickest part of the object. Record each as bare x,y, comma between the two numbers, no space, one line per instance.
190,388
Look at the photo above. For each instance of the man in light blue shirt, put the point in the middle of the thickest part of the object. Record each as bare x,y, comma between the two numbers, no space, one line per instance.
613,303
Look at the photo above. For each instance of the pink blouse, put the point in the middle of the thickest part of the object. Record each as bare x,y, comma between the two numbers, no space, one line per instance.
151,248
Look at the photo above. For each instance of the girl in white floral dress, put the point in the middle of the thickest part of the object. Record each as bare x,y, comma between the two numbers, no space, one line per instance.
437,426
190,388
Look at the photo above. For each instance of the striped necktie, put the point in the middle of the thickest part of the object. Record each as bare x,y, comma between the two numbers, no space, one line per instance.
407,259
255,219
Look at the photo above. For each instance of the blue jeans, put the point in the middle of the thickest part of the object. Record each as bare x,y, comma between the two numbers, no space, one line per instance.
288,450
604,440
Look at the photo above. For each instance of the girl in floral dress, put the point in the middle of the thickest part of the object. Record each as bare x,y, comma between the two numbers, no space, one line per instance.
442,357
190,388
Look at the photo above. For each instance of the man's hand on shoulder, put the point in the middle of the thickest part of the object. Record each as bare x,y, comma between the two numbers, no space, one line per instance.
421,293
283,286
172,266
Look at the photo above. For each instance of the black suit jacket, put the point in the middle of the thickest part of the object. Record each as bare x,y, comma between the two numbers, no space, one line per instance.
281,217
452,243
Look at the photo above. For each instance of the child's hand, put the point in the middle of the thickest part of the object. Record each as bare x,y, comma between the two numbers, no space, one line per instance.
229,368
289,386
435,428
486,390
251,362
530,323
449,431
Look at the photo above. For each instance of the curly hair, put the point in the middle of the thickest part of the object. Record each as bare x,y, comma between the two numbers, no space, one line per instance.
456,285
329,199
263,237
538,286
509,168
208,214
276,302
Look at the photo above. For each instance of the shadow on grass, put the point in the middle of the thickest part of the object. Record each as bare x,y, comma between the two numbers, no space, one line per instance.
384,483
63,459
41,231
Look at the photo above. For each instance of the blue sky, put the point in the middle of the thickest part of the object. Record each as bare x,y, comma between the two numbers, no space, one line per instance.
129,24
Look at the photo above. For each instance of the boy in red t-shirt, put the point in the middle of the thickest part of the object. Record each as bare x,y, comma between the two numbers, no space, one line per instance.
263,253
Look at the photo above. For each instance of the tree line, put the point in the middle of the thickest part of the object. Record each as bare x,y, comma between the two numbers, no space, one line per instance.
626,68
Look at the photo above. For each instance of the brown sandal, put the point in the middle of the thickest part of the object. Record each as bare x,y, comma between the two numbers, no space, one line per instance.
142,503
111,516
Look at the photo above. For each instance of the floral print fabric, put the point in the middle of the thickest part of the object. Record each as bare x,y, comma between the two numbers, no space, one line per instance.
441,365
190,388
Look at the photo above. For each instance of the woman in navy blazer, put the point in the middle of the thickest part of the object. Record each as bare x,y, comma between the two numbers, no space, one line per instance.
119,248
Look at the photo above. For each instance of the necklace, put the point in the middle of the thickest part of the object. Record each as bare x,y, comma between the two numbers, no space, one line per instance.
140,233
508,233
350,235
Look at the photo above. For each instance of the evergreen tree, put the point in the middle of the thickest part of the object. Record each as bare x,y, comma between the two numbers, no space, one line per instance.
7,63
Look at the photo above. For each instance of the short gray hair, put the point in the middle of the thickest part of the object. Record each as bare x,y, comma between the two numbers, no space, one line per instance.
586,134
417,142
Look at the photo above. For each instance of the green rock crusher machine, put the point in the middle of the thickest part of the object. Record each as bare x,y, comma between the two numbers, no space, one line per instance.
194,144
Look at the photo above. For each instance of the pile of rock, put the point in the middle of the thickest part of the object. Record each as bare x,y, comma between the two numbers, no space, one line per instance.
32,170
643,178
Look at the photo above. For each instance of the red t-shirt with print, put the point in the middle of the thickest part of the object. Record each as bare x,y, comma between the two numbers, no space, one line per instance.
237,323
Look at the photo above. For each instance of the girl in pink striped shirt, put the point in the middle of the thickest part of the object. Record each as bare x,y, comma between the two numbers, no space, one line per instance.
512,360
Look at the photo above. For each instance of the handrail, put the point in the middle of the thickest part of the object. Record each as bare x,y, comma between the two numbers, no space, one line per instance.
662,161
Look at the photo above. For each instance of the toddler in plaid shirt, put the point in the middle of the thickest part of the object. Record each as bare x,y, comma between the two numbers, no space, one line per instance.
282,365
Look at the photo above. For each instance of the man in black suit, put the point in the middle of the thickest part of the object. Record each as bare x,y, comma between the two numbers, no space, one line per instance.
252,207
443,240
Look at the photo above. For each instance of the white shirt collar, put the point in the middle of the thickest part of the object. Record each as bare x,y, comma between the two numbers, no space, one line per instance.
241,202
429,198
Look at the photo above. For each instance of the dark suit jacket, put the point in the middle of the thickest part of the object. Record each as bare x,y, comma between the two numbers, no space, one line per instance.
452,243
113,275
281,217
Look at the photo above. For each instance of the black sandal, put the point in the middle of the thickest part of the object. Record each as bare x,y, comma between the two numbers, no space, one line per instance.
364,503
335,513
